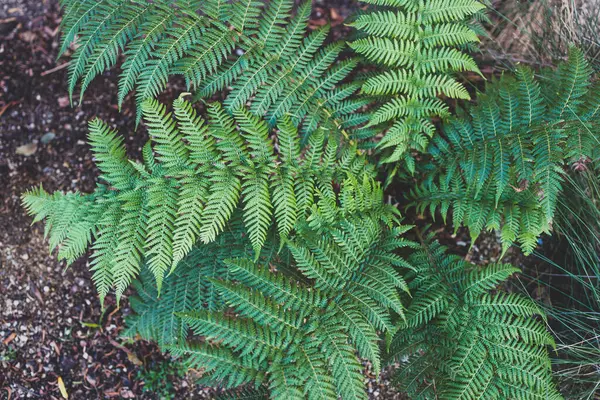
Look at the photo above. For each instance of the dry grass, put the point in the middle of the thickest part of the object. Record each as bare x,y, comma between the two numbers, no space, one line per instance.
538,32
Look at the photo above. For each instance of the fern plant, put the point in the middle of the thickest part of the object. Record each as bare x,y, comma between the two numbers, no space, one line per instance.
258,49
418,47
188,287
464,338
193,177
501,166
254,233
299,318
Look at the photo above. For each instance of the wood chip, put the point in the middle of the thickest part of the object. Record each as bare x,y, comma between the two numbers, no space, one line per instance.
9,339
62,388
134,359
27,149
55,347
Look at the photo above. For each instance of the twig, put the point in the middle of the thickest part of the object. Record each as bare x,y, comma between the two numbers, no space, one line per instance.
10,104
57,68
119,346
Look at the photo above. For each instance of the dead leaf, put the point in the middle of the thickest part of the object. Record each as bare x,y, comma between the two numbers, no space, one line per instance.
91,380
10,104
335,16
9,391
10,338
62,388
119,346
314,23
27,149
27,36
37,294
134,359
55,347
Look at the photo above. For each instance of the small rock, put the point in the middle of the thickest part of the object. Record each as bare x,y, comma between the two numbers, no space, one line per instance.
27,36
127,394
48,137
63,101
27,149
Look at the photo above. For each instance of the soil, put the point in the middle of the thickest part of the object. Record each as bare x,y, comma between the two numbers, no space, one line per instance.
52,328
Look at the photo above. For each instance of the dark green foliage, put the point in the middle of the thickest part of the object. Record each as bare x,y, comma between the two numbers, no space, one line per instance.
418,48
193,177
247,393
502,166
464,338
261,50
188,287
300,320
158,378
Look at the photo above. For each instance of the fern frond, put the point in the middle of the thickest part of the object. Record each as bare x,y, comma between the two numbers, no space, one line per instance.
256,48
139,51
244,336
290,329
479,343
225,369
346,369
502,167
224,195
178,40
158,247
417,47
196,175
110,156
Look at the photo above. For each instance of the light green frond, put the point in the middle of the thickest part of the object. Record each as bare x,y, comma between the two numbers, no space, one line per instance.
158,247
224,195
168,143
110,155
130,245
415,47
